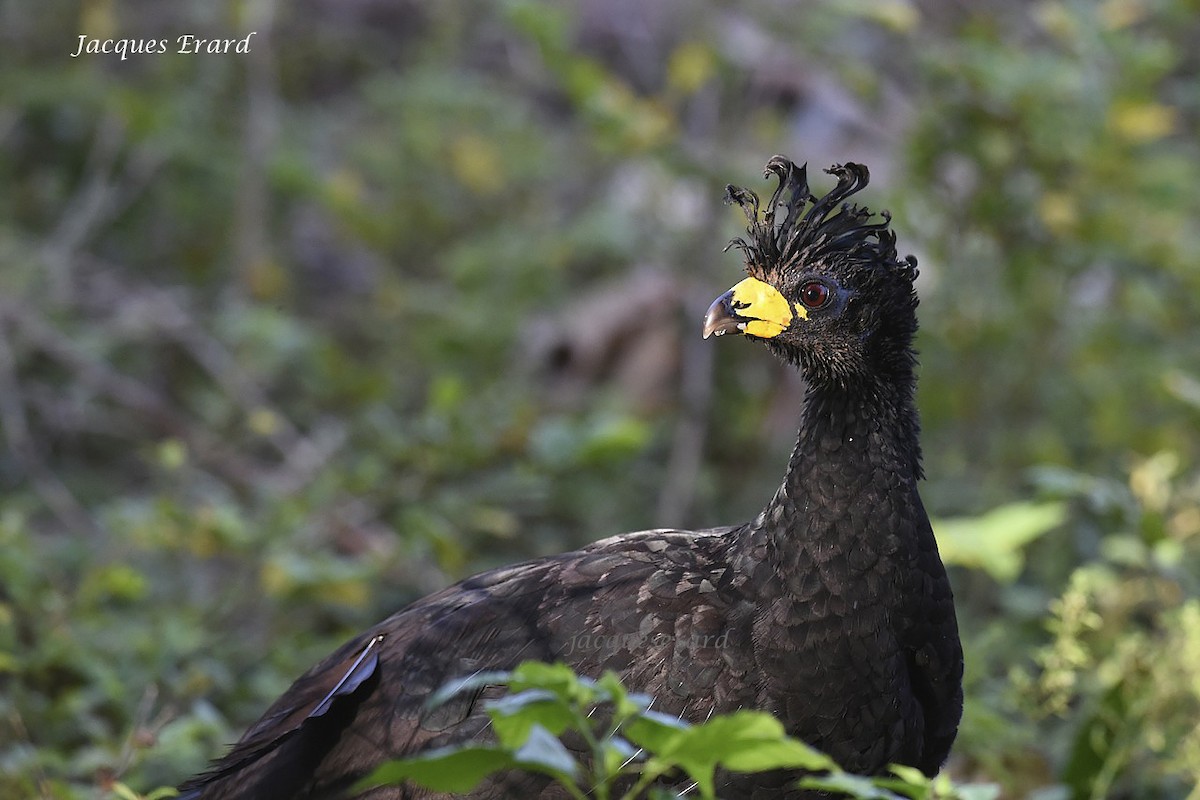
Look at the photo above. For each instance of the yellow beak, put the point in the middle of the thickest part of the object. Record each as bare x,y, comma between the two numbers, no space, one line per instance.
751,307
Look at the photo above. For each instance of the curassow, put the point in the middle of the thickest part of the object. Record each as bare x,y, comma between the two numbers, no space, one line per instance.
830,609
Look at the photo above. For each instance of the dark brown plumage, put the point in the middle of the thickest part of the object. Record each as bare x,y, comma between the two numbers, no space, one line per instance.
830,609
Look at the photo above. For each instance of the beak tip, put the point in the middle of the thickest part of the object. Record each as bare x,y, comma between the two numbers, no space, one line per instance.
721,317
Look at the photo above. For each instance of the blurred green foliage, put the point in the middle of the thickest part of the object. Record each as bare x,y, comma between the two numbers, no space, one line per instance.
290,338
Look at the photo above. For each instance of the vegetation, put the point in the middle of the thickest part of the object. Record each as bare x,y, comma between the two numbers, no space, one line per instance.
291,337
628,745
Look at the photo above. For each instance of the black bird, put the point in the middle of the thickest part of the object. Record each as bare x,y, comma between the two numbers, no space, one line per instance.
830,609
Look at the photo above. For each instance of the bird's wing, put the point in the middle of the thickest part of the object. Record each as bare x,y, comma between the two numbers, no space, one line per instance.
653,606
311,697
934,657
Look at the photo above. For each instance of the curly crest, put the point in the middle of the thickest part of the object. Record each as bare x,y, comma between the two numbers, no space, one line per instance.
818,234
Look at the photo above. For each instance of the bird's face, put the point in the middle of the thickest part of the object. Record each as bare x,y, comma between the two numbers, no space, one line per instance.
790,313
825,289
808,317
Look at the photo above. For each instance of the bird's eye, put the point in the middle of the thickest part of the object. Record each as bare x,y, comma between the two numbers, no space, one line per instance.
814,294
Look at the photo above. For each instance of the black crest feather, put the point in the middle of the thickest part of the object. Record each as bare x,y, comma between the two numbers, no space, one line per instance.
813,229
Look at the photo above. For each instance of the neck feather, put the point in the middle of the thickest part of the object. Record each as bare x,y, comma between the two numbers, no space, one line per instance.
858,445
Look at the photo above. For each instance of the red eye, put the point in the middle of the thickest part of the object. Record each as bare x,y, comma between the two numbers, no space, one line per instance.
814,295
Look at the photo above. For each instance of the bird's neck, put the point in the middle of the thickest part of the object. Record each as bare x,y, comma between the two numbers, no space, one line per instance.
854,469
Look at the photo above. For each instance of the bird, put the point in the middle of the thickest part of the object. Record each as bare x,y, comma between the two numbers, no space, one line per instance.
830,609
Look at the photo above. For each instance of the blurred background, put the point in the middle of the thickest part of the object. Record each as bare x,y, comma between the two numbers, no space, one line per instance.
289,338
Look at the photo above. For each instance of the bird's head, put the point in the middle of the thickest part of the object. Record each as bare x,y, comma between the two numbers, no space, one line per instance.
826,289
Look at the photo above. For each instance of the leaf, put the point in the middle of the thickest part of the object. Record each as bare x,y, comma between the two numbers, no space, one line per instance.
743,741
543,675
618,753
995,541
450,769
543,752
123,792
847,784
652,729
557,678
614,691
625,704
162,793
781,754
908,774
514,716
904,788
910,782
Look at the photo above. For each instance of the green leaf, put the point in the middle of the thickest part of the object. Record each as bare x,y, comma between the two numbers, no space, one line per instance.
557,678
847,784
614,692
780,754
743,741
543,752
913,791
995,541
449,769
162,793
909,782
617,753
514,715
652,729
123,792
663,793
909,774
